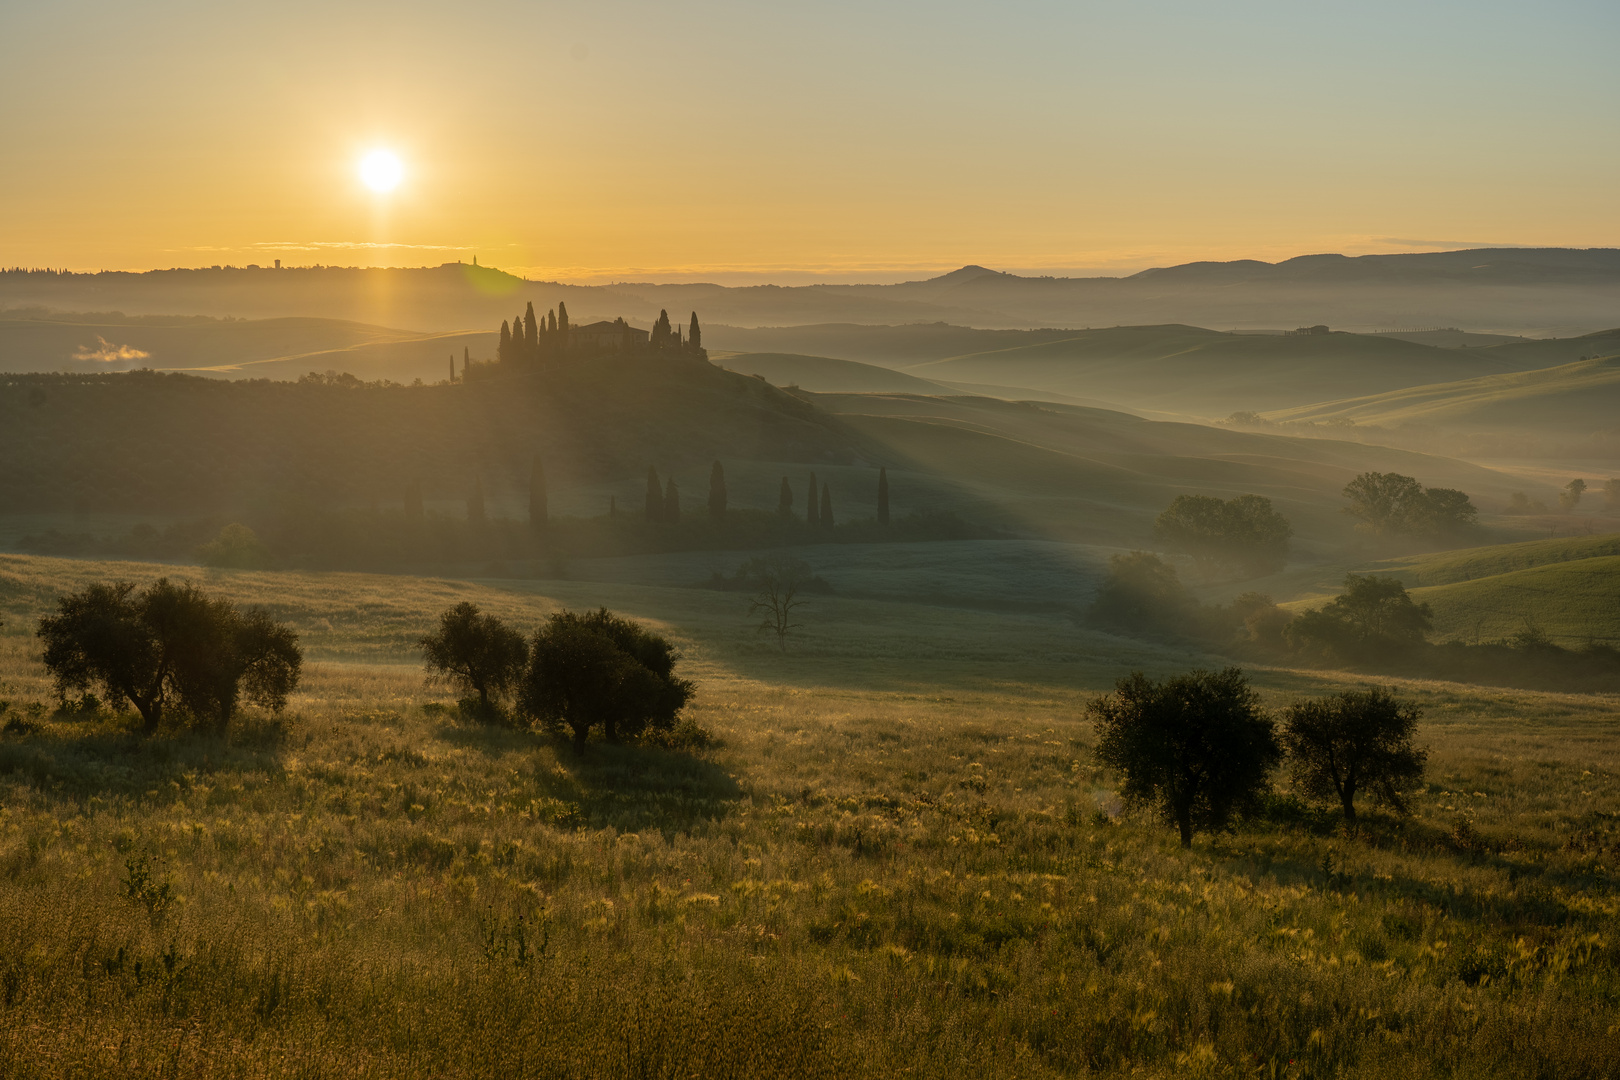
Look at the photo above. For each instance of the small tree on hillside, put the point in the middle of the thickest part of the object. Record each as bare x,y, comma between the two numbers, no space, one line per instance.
1244,533
779,584
1142,592
784,499
1570,497
883,496
475,653
717,493
655,496
1374,615
1389,504
825,517
599,670
1196,748
1356,741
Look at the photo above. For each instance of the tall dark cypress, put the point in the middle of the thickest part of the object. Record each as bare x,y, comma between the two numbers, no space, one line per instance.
531,338
659,338
812,511
717,493
452,367
655,496
504,349
538,515
694,336
413,501
826,507
784,499
883,495
562,317
672,502
551,321
466,361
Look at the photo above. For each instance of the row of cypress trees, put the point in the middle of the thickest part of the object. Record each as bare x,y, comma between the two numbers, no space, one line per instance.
527,338
663,499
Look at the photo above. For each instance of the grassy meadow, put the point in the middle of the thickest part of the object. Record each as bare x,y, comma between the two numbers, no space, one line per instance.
897,858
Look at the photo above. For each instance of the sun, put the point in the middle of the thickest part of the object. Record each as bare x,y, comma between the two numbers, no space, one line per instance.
381,170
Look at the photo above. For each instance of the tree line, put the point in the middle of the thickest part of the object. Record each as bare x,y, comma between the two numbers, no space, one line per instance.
1199,749
1248,537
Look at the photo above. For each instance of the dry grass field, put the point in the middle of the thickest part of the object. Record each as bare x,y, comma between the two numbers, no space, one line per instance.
897,859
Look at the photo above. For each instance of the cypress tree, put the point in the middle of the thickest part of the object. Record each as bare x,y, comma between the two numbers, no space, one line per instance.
537,495
811,514
551,321
504,349
784,499
717,493
413,501
466,361
694,336
655,496
562,316
660,331
826,507
531,339
452,367
883,495
475,503
672,502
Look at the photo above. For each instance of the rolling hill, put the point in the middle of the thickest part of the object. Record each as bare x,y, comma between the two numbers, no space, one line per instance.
827,375
177,444
1571,398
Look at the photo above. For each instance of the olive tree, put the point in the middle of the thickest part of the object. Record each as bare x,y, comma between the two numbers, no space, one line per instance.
1356,741
596,669
170,648
476,653
1196,748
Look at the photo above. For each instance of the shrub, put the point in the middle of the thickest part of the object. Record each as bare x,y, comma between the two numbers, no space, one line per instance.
237,547
600,670
476,653
1359,740
1196,748
169,647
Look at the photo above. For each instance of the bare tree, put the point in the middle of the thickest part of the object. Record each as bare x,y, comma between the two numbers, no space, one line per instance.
778,587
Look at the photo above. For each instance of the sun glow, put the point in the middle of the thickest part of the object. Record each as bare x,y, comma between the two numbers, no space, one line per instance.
381,170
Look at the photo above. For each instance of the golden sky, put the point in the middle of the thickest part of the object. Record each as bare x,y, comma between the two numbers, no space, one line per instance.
774,141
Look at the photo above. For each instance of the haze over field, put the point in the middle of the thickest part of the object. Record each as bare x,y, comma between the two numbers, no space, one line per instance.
716,541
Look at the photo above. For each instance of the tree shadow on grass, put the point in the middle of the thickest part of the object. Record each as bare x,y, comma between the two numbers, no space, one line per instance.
81,759
627,787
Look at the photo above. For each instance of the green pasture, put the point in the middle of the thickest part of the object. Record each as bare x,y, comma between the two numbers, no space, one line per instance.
899,858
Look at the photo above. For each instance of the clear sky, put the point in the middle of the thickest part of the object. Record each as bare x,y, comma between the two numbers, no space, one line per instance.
763,140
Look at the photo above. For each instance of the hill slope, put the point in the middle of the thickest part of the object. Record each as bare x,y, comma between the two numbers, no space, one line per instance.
1570,398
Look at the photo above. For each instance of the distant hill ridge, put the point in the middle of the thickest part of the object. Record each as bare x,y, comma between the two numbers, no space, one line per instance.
1514,290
